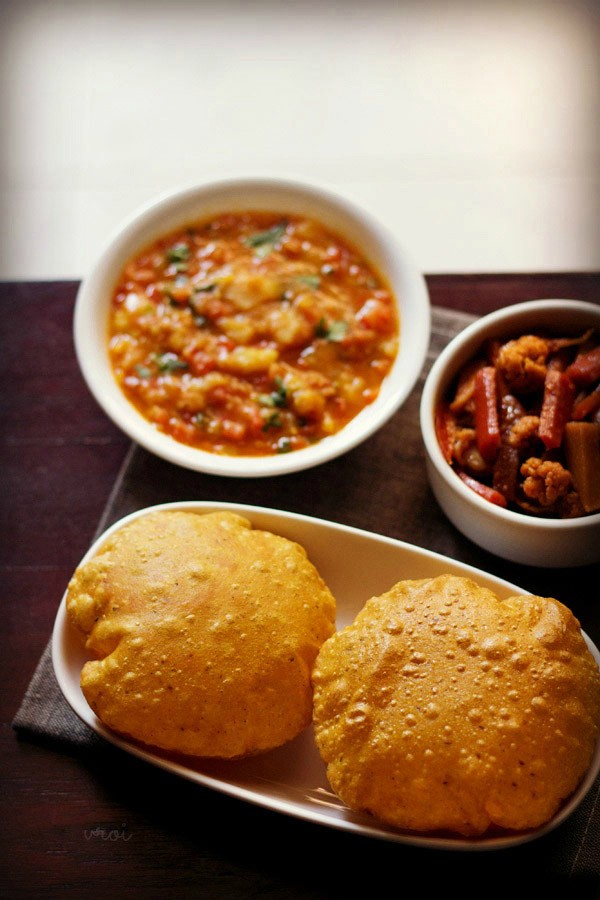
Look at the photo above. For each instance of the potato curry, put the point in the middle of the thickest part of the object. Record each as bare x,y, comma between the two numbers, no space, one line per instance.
252,333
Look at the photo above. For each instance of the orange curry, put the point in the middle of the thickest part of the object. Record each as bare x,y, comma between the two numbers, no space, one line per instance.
251,334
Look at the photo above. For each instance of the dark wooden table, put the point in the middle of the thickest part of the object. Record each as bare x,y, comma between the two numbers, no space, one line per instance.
90,825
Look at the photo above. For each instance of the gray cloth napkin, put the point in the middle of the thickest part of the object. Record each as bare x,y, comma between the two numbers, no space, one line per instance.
45,712
363,489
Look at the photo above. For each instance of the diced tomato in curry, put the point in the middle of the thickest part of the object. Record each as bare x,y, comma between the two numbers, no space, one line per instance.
251,334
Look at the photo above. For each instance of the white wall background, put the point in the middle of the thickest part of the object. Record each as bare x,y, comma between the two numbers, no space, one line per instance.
472,128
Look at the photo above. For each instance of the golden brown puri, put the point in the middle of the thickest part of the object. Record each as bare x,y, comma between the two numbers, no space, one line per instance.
204,630
445,708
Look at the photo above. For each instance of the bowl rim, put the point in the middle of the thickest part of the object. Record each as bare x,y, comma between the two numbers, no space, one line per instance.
143,224
446,365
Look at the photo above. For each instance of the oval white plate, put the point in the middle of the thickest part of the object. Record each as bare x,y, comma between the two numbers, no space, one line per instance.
356,565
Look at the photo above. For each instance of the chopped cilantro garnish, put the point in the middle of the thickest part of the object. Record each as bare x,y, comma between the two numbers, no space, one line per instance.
169,362
311,281
143,371
178,253
284,445
274,421
321,328
278,397
264,241
335,332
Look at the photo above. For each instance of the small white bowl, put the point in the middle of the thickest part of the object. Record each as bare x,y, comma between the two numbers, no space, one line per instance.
173,210
549,543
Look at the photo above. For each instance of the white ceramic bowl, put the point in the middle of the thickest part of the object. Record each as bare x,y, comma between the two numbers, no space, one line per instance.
512,535
169,212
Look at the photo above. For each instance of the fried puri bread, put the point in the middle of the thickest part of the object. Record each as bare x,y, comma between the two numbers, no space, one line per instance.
204,632
444,708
